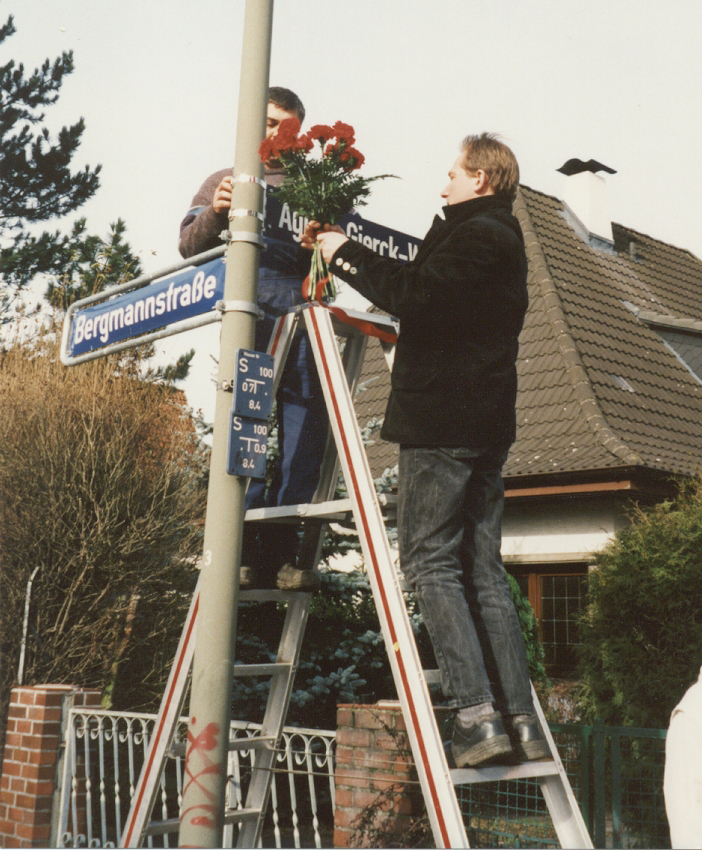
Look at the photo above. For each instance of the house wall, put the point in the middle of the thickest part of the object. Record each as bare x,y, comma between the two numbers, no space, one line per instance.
559,530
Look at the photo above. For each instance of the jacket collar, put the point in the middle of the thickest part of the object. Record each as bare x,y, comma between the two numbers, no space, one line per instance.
476,206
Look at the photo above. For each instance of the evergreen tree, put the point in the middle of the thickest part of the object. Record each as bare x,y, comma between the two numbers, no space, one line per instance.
37,182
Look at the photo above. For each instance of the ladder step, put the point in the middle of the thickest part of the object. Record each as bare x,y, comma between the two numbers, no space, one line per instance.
432,677
497,773
241,670
260,742
239,815
337,509
163,827
270,595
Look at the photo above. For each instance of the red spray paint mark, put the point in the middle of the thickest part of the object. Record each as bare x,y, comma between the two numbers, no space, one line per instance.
198,748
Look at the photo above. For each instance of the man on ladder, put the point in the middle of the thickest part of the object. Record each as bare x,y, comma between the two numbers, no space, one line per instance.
461,304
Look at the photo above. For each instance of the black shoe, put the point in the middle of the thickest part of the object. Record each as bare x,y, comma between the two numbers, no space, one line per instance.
528,742
481,742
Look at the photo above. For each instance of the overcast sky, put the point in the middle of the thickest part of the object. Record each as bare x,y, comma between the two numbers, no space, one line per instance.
157,83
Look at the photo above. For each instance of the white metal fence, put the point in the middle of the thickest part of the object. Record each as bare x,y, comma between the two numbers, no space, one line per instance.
104,752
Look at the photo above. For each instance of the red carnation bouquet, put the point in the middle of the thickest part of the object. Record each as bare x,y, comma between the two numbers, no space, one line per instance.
320,183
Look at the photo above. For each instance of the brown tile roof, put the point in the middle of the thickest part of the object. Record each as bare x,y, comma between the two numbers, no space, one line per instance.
598,388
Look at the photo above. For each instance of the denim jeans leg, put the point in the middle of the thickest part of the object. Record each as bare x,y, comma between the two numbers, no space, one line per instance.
449,524
487,590
430,529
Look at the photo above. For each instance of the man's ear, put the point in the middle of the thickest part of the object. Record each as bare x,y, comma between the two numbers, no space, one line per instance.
482,186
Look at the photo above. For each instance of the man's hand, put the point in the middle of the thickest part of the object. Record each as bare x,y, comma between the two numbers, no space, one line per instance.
313,229
222,200
331,241
309,237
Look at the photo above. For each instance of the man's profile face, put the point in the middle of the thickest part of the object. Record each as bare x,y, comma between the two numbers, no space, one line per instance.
274,116
462,185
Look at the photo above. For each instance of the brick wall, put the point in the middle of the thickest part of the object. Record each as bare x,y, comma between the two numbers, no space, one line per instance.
373,768
32,746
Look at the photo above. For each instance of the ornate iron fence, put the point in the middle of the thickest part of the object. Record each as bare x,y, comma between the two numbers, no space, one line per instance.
104,752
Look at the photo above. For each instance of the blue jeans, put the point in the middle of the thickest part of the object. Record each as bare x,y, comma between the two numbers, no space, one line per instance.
450,504
302,430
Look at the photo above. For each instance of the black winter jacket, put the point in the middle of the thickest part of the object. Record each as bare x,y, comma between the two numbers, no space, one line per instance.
461,305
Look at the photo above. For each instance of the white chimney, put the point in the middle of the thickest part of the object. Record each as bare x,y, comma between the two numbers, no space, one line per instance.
586,196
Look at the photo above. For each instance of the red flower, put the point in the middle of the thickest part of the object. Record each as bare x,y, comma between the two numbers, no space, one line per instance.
344,132
321,132
352,158
269,149
305,143
286,134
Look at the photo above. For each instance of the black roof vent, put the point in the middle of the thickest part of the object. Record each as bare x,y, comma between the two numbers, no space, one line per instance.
577,166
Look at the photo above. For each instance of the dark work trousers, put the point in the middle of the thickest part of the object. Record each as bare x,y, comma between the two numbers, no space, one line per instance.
450,503
302,431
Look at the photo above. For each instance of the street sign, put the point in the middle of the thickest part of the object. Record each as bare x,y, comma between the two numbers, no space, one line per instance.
287,226
251,408
253,384
140,311
248,444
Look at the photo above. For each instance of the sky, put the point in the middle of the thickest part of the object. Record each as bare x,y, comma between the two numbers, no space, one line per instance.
157,83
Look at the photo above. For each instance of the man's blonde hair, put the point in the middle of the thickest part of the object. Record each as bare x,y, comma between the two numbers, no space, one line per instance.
487,153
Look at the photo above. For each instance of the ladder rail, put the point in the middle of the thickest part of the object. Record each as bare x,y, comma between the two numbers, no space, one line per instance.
560,800
274,719
432,767
169,713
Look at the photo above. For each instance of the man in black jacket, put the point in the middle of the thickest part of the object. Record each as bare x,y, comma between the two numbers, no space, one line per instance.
461,304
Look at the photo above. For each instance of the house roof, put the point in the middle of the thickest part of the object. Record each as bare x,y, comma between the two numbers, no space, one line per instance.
601,386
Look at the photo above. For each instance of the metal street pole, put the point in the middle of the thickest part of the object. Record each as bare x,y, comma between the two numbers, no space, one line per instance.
202,812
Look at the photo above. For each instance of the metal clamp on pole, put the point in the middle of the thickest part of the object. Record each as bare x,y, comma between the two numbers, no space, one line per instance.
239,307
242,236
243,213
249,178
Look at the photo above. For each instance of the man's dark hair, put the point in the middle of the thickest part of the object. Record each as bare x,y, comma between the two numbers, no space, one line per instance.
287,100
487,153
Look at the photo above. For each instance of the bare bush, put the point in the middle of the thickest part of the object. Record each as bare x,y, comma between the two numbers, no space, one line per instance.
101,488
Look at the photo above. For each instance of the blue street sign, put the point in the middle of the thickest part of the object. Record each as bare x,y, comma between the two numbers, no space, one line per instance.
248,443
253,384
140,311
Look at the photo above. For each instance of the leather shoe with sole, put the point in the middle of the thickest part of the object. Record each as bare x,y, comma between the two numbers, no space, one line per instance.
528,742
481,742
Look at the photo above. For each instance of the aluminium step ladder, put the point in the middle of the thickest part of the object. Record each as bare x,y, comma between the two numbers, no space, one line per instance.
345,448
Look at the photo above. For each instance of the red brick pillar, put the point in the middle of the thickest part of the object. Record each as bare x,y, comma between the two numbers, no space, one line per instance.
32,746
372,767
